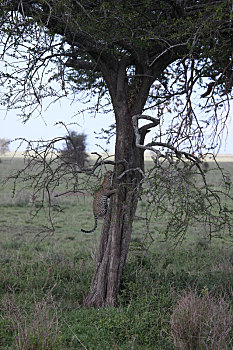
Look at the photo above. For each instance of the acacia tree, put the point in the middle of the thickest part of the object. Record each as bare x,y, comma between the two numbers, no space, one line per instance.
134,55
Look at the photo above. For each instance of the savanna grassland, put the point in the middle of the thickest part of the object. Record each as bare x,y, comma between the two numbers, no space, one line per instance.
172,297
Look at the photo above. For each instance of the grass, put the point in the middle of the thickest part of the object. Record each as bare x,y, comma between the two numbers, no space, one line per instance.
44,277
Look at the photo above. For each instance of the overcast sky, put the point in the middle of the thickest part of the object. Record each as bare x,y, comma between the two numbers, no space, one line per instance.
45,128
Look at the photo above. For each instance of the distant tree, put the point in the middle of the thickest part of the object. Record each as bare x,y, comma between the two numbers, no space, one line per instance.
74,150
4,146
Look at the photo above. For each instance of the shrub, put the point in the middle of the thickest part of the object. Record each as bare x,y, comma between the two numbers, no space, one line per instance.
205,166
201,322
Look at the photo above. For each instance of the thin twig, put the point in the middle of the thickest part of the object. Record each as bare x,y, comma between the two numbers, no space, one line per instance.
75,336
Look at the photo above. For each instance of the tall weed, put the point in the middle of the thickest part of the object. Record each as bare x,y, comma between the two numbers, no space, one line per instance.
202,322
35,328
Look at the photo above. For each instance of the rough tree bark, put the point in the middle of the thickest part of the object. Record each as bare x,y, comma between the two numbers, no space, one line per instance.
117,228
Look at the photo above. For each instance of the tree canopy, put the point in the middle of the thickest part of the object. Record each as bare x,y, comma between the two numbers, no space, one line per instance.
165,49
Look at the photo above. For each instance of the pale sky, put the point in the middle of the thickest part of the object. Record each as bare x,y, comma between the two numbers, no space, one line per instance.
45,128
11,127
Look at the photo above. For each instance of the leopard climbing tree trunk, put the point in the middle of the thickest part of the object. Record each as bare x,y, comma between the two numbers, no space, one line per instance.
117,227
128,99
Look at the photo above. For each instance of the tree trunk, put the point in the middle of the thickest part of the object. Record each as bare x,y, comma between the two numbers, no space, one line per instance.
117,227
128,99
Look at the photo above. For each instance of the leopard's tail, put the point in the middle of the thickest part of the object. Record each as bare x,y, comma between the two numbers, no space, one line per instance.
94,228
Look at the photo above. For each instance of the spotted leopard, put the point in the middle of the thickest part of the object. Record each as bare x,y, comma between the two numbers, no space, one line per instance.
100,199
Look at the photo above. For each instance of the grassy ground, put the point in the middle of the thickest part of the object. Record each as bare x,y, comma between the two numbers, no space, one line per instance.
44,278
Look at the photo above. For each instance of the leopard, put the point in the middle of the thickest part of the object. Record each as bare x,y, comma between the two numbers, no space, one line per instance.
100,200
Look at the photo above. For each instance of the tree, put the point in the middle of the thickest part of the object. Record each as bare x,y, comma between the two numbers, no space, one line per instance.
134,55
74,150
4,146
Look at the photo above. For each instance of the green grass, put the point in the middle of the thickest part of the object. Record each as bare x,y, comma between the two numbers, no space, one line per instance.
45,276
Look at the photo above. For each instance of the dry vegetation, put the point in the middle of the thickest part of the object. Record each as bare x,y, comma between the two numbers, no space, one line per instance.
201,321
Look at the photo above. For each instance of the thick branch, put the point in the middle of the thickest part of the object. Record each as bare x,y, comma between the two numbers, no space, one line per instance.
140,133
79,64
170,48
101,162
150,146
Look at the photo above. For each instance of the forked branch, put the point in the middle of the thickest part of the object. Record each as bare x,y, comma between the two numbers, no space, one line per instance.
151,146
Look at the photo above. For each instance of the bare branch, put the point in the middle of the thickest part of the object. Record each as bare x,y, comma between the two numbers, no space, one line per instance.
130,170
143,129
164,52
